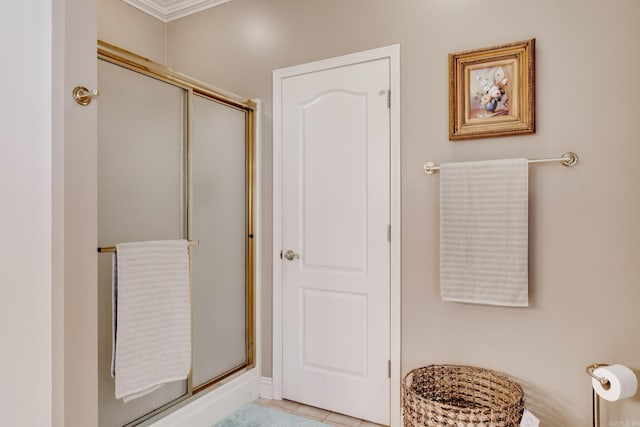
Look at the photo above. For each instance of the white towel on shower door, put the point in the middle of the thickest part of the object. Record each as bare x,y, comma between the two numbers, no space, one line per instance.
152,316
484,227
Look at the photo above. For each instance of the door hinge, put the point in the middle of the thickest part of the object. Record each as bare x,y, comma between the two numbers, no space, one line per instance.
389,98
389,368
389,233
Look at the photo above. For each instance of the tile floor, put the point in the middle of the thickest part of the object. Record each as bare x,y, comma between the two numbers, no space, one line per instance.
317,414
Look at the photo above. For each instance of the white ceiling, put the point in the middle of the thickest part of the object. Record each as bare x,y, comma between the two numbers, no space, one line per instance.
168,10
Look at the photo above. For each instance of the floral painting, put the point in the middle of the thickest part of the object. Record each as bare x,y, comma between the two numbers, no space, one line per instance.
490,91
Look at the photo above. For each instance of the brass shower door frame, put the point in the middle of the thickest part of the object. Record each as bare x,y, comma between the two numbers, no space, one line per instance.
193,87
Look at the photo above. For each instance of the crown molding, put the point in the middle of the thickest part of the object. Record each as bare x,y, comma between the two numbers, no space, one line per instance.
169,10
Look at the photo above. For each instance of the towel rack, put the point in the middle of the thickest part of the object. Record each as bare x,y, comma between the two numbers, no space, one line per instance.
111,249
567,159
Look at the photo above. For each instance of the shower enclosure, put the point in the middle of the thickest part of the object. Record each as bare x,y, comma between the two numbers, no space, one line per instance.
175,161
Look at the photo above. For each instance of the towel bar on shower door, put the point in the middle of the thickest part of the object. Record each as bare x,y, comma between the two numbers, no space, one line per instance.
111,249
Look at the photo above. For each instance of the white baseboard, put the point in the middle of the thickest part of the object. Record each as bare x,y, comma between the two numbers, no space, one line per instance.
213,406
266,388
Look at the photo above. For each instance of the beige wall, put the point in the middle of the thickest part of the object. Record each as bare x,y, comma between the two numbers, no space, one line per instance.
75,217
584,234
125,26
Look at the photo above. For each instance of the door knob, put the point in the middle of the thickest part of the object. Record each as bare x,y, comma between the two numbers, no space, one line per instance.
290,255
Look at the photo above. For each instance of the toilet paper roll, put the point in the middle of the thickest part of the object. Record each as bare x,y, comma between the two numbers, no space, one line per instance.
623,382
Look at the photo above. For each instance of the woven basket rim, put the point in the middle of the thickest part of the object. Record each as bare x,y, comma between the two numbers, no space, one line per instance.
477,410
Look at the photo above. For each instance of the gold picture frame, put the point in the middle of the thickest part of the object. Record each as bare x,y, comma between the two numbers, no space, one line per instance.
492,91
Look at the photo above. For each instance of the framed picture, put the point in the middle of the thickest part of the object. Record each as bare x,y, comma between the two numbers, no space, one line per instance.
492,91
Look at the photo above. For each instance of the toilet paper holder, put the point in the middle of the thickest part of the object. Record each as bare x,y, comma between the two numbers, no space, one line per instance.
595,398
605,382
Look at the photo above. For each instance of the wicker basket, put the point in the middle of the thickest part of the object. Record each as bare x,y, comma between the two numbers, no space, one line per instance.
460,396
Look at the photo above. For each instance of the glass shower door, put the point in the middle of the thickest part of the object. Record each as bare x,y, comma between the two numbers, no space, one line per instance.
141,138
219,222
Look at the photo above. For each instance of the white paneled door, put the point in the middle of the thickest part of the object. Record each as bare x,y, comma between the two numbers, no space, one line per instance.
335,235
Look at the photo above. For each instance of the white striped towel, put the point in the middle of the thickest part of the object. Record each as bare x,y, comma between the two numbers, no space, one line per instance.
484,223
152,316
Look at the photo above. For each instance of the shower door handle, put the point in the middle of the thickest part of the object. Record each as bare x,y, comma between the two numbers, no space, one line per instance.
290,255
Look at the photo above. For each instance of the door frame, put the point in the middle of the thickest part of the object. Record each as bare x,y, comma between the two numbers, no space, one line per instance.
393,54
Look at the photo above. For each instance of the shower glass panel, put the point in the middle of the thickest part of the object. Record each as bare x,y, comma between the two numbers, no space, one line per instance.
219,222
141,129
